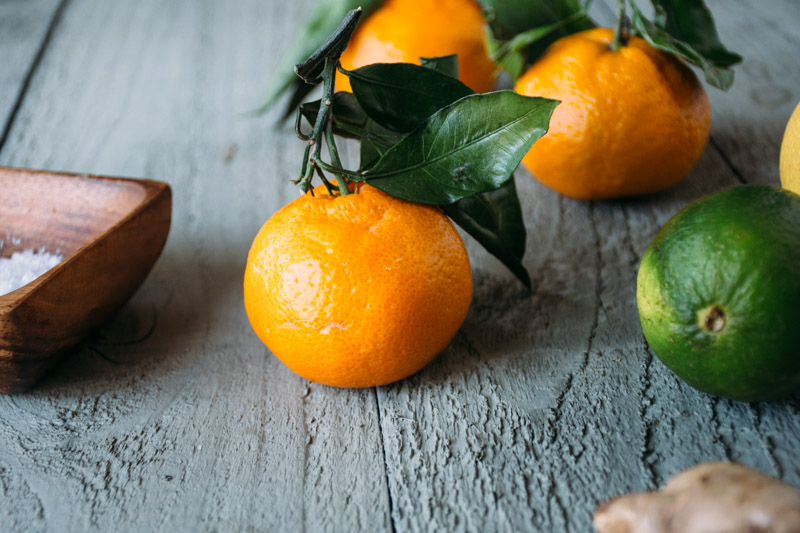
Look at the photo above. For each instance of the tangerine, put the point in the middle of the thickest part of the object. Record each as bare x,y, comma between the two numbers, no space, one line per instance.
357,290
402,31
631,121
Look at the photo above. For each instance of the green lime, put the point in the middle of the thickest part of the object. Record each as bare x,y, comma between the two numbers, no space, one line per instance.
719,293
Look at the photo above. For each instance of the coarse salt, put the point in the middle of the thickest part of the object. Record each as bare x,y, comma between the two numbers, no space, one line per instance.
25,266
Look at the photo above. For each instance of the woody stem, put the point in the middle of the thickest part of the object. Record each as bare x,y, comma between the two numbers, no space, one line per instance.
321,67
622,31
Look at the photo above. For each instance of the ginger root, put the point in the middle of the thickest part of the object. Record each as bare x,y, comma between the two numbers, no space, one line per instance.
709,498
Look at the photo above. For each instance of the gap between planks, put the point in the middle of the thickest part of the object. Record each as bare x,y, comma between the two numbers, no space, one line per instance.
56,18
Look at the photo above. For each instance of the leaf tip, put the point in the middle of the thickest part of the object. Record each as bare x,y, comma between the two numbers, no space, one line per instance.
525,278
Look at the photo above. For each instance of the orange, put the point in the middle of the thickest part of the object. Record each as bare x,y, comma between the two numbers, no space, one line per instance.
402,31
632,121
357,290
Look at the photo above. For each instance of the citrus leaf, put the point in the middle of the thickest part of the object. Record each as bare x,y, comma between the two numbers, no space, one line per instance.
509,18
467,148
346,112
509,55
512,62
715,67
400,96
691,22
298,92
320,24
444,64
376,141
494,219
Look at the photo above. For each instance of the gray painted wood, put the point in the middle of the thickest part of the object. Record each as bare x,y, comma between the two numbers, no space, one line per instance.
198,427
544,405
24,25
547,405
748,121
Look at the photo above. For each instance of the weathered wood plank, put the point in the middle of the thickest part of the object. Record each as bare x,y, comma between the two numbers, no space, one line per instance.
747,128
748,121
543,406
550,403
24,25
546,405
197,427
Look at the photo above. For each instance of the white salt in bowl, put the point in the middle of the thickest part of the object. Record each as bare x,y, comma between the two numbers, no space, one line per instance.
23,267
110,232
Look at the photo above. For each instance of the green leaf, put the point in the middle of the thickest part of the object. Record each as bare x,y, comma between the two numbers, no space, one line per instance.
513,63
346,112
321,23
691,22
467,148
509,55
444,64
299,90
400,96
509,18
682,13
376,141
494,219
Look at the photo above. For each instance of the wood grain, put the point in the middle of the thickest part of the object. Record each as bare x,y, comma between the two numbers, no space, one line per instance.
25,26
553,403
748,121
197,427
544,405
110,233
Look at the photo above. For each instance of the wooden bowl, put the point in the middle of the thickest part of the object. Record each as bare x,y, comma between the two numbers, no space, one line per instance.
110,232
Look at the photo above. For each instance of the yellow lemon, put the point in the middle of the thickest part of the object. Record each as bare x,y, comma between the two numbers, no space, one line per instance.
790,153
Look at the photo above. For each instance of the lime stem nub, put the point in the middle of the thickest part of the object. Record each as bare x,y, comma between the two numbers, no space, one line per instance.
712,319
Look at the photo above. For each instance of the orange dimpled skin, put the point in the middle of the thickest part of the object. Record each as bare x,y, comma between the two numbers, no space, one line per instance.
632,121
402,31
357,290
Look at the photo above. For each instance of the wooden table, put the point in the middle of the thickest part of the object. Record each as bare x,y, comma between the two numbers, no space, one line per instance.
545,404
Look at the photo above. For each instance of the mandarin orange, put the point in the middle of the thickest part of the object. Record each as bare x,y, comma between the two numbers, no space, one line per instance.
402,31
631,121
357,290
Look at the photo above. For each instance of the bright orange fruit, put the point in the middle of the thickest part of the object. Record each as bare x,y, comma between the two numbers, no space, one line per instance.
402,31
632,121
357,290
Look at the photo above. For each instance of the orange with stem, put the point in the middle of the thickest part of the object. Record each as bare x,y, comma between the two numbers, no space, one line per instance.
347,285
632,120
